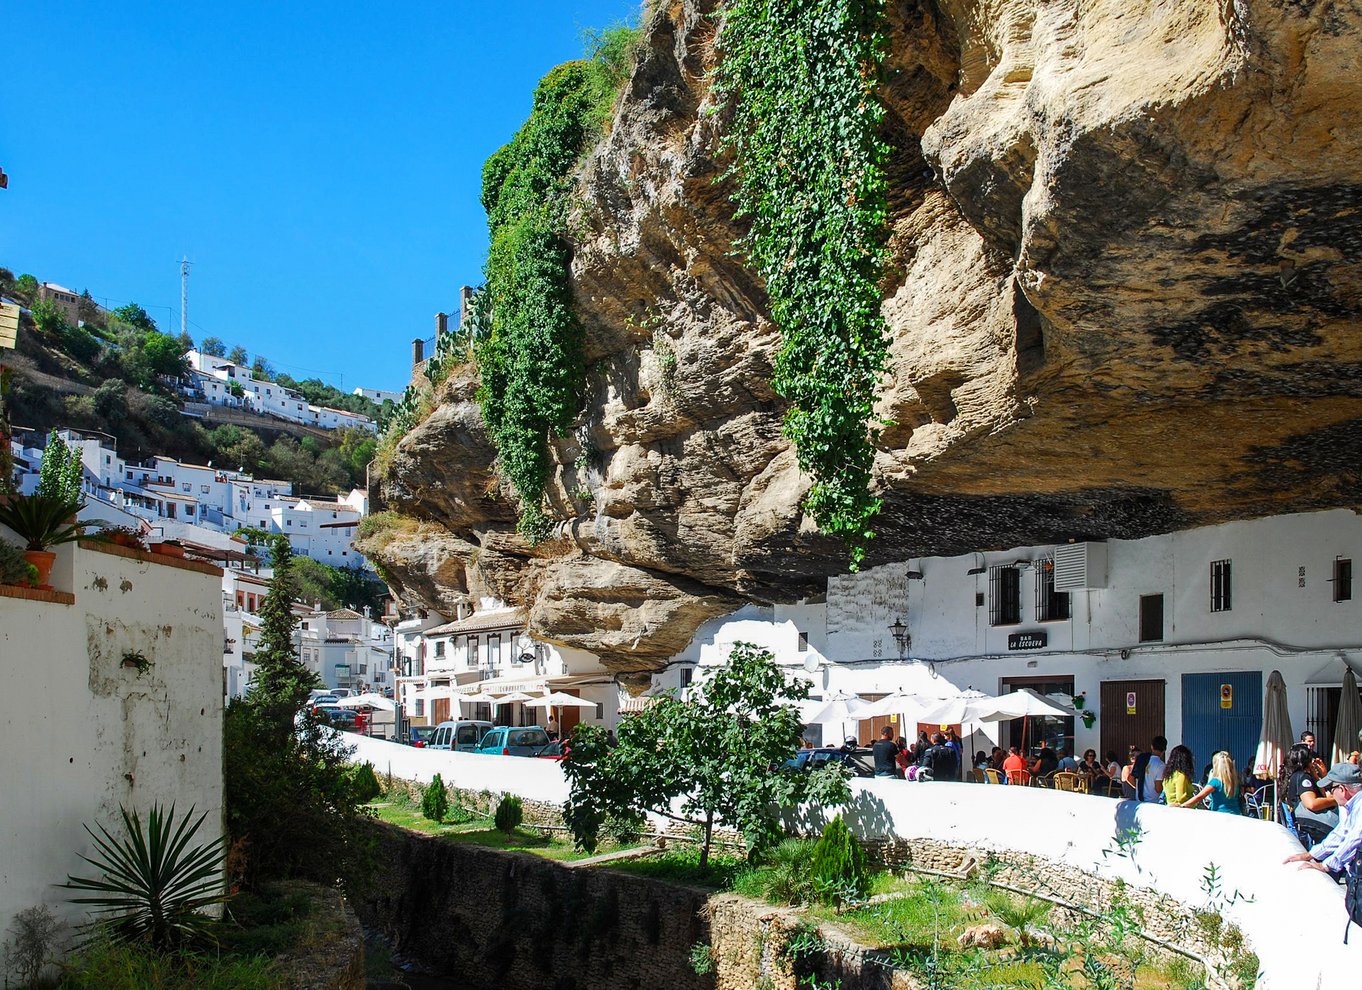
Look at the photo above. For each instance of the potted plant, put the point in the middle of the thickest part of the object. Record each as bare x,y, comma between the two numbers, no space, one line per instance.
42,522
14,569
1089,717
1080,701
123,536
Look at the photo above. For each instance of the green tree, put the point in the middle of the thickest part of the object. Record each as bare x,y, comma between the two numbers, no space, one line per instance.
135,316
26,287
165,355
839,868
261,368
61,472
50,321
238,356
281,681
213,347
434,800
712,753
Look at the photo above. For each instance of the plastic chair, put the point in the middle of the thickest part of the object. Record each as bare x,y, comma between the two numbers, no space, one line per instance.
978,776
1021,777
992,776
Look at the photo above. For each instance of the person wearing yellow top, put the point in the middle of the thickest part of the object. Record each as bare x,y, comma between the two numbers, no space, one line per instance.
1177,776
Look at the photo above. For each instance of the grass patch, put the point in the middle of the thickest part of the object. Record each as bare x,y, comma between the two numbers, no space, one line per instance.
683,866
105,966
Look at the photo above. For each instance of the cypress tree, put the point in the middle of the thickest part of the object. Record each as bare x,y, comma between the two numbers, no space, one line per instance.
282,683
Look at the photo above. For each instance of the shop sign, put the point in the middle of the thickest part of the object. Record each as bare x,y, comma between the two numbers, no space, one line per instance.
1227,696
1028,640
1130,702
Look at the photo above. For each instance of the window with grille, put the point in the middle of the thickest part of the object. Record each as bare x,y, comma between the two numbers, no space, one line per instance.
1343,579
439,648
493,651
1151,618
1221,598
1051,605
687,675
803,642
1004,587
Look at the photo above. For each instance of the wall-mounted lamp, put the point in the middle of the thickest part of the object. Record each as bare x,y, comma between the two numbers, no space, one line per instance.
977,570
902,639
1021,563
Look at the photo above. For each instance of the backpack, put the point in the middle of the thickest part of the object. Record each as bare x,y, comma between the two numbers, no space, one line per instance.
1139,772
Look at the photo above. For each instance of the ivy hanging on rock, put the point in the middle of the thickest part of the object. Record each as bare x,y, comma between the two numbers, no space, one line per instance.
530,359
800,77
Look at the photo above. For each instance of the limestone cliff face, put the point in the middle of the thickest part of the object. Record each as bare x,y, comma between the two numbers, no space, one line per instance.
1127,277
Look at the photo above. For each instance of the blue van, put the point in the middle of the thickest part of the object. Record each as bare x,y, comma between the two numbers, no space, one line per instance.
510,740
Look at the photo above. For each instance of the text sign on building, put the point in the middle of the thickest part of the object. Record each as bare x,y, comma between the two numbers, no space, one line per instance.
1028,640
1227,696
1130,702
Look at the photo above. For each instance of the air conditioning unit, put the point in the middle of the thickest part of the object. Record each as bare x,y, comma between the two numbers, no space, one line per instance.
1080,566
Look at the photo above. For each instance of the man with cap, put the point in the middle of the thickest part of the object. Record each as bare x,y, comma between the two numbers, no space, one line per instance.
1336,852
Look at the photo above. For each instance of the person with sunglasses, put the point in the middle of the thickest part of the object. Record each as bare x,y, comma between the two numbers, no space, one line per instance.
1337,851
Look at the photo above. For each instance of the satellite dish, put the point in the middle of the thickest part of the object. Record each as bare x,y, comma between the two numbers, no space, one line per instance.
811,662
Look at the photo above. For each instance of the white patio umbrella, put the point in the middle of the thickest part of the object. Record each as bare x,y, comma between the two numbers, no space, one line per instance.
1349,720
839,709
439,692
511,699
1276,739
476,699
1025,703
558,699
967,706
369,700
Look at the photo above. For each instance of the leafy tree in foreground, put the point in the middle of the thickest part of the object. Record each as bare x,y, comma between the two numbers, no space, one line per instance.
704,761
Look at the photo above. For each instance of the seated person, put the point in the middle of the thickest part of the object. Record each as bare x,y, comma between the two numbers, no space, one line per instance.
1067,764
1177,777
1091,768
1222,788
904,759
981,760
1315,812
1045,763
1014,761
997,758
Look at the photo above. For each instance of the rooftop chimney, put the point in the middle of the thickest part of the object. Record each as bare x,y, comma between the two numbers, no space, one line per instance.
417,351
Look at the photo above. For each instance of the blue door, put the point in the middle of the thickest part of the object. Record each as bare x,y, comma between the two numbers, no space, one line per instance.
1222,711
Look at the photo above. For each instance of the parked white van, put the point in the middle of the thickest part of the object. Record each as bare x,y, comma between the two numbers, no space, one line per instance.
463,735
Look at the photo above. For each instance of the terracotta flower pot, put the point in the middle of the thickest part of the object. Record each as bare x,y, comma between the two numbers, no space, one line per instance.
168,549
43,560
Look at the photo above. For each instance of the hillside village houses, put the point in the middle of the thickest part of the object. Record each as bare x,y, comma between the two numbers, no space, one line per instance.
201,507
164,490
219,382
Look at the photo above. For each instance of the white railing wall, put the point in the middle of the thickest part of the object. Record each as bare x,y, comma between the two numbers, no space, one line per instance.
1293,919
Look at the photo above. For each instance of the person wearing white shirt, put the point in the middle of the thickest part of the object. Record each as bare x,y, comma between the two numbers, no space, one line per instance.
1335,854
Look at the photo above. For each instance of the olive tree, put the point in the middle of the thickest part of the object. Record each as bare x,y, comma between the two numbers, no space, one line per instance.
716,758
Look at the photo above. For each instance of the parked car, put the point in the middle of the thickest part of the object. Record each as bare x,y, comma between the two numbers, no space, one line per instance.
338,718
858,761
419,735
506,740
323,701
553,751
462,735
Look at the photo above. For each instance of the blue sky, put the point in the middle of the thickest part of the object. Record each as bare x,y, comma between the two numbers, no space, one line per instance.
319,163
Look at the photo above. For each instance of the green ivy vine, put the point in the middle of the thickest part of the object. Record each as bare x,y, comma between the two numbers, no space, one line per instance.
800,77
530,354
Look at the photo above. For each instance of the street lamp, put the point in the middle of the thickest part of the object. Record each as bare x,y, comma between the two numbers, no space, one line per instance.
902,639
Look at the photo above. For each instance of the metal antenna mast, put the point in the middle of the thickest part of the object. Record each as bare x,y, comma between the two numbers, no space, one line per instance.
184,296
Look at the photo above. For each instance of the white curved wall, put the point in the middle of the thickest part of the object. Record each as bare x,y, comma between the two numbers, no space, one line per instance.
1294,922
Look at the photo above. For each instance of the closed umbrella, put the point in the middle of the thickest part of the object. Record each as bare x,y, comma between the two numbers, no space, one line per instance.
1349,720
1276,738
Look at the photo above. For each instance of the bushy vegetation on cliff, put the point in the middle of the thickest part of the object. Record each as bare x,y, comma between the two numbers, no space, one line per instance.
530,358
801,80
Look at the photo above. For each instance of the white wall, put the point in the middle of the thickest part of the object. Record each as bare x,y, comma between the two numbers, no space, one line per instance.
82,734
536,780
1294,920
1285,908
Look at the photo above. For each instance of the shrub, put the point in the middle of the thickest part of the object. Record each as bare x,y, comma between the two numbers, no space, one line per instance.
434,800
839,868
155,882
365,782
789,877
30,948
14,569
509,814
108,966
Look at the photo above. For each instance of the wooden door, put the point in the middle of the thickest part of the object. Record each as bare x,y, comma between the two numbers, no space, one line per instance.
1125,724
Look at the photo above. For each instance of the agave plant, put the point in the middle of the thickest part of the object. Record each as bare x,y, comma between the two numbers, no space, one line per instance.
155,885
42,521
